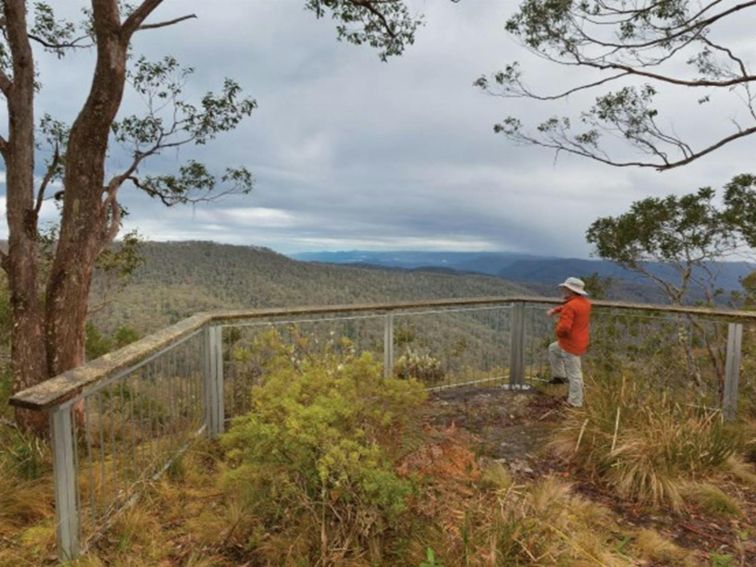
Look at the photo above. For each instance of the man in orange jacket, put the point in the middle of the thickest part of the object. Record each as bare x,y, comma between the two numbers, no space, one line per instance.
572,331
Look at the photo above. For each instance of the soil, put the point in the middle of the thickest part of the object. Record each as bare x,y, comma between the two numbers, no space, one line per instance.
514,428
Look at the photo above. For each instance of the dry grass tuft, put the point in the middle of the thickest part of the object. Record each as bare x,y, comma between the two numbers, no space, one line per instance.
744,472
503,523
24,503
712,500
653,547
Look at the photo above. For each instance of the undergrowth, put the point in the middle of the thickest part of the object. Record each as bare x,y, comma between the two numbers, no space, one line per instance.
333,466
27,529
635,439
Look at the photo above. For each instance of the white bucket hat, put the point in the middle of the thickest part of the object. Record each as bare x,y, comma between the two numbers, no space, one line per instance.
574,284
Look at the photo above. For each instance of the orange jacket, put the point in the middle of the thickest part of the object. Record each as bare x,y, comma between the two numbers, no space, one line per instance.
573,327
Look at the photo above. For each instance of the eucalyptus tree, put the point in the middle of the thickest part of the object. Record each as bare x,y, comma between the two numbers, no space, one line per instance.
49,308
686,235
643,48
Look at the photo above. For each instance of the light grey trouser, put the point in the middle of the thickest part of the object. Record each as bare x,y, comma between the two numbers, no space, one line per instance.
566,365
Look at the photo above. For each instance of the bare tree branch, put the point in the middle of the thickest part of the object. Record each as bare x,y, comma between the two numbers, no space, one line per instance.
518,89
138,16
49,174
149,190
167,22
571,147
667,79
112,225
76,43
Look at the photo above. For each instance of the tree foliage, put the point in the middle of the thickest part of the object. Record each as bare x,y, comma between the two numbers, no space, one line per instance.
386,25
641,47
686,233
598,286
49,328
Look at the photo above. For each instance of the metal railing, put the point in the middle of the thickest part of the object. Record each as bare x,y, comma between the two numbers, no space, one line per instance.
119,421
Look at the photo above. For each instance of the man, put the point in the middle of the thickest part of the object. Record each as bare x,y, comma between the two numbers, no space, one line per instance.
572,331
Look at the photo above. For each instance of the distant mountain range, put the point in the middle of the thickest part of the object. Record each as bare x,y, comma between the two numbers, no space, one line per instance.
540,273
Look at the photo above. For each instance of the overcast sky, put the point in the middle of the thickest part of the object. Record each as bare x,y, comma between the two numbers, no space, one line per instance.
349,152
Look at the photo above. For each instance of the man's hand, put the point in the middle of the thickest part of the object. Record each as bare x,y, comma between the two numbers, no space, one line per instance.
551,312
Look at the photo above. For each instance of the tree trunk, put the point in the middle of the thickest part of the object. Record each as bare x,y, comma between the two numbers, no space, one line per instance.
86,213
28,360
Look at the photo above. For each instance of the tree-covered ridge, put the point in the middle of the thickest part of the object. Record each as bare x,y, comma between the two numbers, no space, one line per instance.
182,278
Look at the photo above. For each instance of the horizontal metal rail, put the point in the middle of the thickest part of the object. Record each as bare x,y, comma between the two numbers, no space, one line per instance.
76,382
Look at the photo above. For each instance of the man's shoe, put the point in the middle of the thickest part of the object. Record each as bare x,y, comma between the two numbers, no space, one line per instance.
558,380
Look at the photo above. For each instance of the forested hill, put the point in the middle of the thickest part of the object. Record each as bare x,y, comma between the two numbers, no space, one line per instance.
182,278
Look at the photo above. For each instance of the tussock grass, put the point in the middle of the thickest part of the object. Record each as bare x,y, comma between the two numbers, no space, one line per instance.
552,525
634,438
653,547
505,523
744,472
712,500
23,456
24,503
27,533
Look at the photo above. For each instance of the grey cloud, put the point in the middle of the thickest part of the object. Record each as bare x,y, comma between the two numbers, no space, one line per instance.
349,152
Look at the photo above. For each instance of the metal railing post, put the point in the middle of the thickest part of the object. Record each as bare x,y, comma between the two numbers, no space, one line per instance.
517,346
214,410
64,478
732,371
388,346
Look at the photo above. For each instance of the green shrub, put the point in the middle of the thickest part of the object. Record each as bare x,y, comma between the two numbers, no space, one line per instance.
313,461
633,437
423,367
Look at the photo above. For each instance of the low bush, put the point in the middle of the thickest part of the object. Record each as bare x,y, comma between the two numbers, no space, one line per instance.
423,367
312,464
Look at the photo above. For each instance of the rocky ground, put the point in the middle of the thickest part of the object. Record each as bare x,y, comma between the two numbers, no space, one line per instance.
511,427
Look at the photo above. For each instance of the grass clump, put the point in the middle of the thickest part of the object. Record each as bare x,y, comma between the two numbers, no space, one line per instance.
27,530
550,525
539,523
23,456
632,437
312,465
712,500
742,471
655,548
